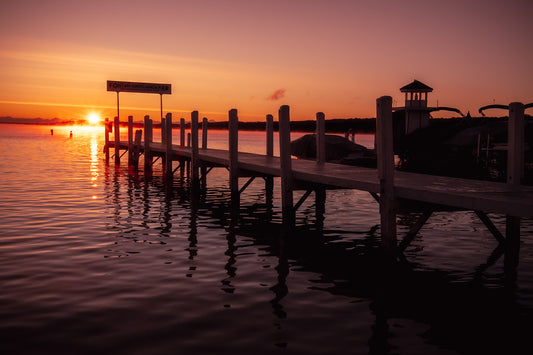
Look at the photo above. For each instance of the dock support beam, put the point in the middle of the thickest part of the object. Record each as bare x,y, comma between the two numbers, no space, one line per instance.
515,173
148,137
117,140
287,182
168,144
194,147
106,146
385,161
136,150
269,135
130,140
203,168
320,138
163,130
269,180
233,128
320,192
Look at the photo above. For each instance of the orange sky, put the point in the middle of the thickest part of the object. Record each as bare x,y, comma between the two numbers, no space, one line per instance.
335,56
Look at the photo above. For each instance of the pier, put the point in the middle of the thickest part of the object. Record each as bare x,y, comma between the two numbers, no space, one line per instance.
391,188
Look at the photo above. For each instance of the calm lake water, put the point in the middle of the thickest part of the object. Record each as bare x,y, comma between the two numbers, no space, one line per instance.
97,260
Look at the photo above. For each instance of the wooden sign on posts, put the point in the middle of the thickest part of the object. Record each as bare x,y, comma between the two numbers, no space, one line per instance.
145,88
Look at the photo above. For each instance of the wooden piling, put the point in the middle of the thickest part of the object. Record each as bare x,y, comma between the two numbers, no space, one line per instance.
106,145
136,149
194,146
269,180
515,174
203,168
287,181
168,144
204,132
117,140
163,130
320,138
385,162
515,150
182,132
130,140
148,138
233,144
269,135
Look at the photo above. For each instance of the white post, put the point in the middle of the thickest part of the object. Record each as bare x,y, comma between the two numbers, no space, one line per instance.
147,140
130,140
117,140
182,132
203,169
385,161
233,143
515,150
269,135
287,202
204,133
194,150
320,138
163,130
168,144
106,146
515,173
136,149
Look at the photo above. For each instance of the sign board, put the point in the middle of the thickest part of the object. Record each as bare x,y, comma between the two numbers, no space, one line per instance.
146,88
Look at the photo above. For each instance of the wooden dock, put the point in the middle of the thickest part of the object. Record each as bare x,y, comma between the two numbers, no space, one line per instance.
386,184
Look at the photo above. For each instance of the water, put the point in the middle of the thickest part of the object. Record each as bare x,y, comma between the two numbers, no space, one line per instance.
95,259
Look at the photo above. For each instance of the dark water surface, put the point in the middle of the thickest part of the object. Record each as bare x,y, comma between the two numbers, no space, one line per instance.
96,260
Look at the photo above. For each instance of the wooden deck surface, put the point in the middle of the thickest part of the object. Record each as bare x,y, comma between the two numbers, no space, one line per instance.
454,192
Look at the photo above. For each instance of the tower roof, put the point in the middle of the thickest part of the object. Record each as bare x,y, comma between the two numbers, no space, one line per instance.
416,86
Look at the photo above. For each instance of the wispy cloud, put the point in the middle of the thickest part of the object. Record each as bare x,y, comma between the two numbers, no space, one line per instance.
276,95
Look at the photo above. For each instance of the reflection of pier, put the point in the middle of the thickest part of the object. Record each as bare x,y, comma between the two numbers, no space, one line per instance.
386,184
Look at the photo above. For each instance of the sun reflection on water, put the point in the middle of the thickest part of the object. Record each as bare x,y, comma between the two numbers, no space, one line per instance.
94,162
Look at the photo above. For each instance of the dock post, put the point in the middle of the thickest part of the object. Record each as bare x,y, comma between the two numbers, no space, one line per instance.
168,144
269,135
515,174
320,138
148,136
136,150
182,144
204,132
106,146
287,183
182,132
117,140
194,147
320,192
163,130
233,142
130,140
203,168
385,161
269,180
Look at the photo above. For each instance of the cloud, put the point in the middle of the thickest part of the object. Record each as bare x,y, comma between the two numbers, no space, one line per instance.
276,95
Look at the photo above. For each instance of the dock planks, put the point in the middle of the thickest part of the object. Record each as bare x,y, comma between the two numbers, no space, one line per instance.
454,192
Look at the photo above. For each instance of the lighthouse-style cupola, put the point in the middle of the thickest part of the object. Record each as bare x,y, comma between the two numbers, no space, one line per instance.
416,105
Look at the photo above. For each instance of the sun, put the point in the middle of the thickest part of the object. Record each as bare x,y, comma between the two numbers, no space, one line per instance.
93,118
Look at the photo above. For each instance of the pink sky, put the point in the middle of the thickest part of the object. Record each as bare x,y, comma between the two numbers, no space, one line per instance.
333,56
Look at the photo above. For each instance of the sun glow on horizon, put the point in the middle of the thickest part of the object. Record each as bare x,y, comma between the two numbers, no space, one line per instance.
93,118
